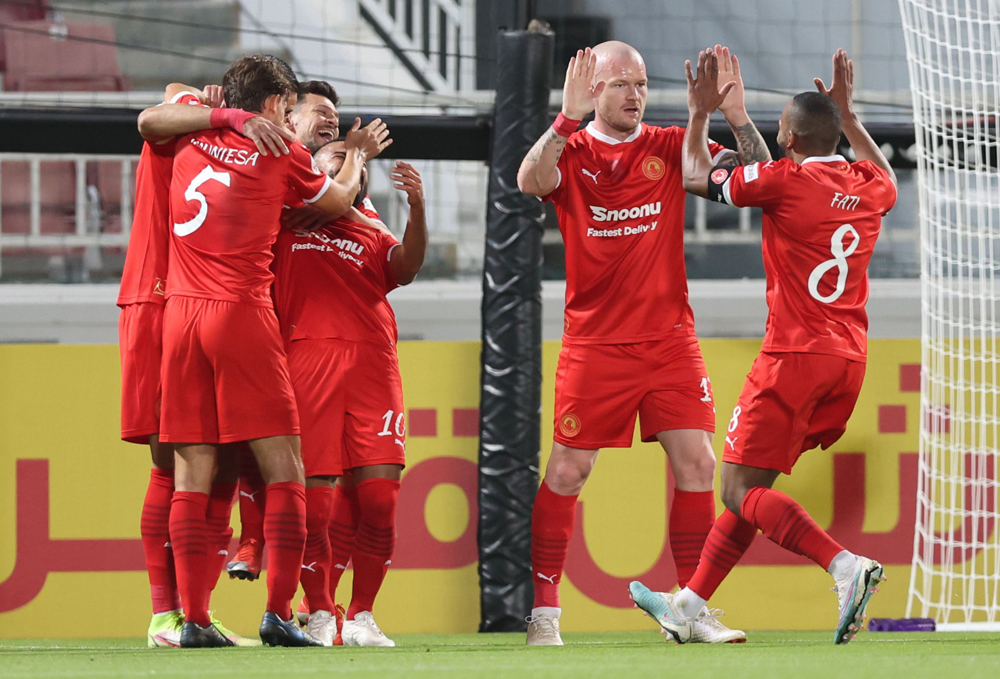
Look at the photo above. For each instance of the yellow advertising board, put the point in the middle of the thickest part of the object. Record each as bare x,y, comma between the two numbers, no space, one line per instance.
71,493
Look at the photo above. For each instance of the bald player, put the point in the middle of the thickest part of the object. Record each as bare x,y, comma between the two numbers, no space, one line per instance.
629,345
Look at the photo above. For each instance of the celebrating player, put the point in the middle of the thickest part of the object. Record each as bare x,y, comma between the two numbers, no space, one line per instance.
141,299
629,344
822,216
225,377
330,294
315,118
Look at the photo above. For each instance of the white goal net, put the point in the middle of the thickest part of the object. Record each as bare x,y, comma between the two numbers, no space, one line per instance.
953,53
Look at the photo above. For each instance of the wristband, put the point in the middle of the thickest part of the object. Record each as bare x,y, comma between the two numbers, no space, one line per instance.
230,117
564,126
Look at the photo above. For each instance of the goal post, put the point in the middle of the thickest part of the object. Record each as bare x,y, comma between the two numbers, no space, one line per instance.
953,55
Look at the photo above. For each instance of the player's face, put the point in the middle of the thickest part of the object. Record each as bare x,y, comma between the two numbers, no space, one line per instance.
316,121
331,162
623,102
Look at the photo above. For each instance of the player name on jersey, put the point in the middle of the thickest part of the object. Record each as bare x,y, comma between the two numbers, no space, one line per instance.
228,155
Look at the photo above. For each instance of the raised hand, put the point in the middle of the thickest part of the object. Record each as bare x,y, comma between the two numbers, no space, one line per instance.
371,139
405,178
842,89
704,93
213,96
729,71
268,136
579,90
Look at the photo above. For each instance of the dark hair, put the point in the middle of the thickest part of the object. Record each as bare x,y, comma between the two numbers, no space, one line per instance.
320,88
816,119
252,79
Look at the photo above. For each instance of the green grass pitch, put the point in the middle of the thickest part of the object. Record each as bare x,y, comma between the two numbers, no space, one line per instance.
631,655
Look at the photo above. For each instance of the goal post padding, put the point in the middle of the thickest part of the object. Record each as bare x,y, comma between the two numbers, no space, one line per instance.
952,51
511,387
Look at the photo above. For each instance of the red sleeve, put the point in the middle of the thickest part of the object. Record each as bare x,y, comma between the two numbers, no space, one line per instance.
305,181
717,150
886,194
756,185
367,208
387,243
186,98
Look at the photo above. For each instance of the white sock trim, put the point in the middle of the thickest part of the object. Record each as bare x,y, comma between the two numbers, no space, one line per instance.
689,603
842,566
550,611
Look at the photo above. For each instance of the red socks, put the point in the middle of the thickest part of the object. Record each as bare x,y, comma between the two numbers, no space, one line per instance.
220,511
188,537
155,530
692,515
316,559
785,522
551,528
729,540
376,538
285,535
344,517
251,499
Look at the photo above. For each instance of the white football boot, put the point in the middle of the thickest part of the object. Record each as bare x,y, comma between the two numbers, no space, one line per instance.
707,629
853,594
543,630
323,626
362,631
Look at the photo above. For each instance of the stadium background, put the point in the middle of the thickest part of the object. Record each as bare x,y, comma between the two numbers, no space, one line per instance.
70,491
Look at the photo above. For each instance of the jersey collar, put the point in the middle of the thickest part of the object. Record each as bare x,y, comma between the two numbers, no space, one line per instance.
835,158
600,136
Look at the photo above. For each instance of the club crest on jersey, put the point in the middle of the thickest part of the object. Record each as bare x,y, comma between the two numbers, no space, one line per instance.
569,425
653,168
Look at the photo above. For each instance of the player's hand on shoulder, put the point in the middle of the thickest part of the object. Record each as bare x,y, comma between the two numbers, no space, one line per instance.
842,88
705,93
212,96
580,90
405,178
371,139
271,139
305,218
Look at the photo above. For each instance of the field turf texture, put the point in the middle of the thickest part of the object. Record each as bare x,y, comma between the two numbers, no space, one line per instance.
628,655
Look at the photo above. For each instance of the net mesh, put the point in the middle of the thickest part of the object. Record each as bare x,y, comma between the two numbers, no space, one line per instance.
953,52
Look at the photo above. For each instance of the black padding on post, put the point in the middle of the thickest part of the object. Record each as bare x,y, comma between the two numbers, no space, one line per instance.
511,399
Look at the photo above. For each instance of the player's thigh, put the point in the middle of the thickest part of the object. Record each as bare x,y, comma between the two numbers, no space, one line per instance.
829,418
769,423
679,395
317,370
375,423
194,467
598,390
252,385
140,342
279,458
188,411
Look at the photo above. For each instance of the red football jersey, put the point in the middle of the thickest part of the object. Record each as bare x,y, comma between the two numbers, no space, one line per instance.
225,200
145,272
821,221
620,206
332,283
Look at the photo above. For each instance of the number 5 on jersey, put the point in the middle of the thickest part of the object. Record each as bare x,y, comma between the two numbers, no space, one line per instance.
192,193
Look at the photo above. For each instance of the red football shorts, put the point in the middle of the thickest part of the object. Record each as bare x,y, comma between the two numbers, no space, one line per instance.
225,375
601,387
140,342
791,403
350,399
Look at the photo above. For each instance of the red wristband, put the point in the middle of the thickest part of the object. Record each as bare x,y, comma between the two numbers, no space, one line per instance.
564,126
230,117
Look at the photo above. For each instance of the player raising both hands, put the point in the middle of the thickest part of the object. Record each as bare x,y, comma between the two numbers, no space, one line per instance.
629,345
822,216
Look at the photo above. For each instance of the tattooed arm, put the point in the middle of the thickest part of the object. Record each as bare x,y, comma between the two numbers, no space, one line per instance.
538,175
750,145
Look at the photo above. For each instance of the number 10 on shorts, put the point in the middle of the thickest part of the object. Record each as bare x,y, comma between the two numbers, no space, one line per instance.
395,421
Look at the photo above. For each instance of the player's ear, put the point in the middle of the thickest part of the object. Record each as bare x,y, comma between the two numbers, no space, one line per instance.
272,104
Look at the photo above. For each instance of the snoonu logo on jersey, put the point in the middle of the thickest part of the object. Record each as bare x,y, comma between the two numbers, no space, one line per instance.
603,214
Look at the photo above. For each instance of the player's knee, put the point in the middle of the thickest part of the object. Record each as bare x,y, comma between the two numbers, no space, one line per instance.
694,470
566,478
